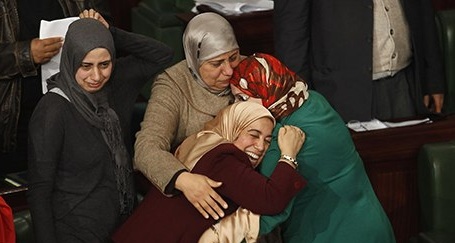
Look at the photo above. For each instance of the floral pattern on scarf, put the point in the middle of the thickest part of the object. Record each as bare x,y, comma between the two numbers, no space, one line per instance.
264,76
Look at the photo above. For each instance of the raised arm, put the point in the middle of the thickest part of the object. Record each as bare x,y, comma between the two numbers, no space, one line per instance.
139,57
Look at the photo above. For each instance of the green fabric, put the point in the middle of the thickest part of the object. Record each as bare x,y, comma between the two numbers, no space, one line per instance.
338,204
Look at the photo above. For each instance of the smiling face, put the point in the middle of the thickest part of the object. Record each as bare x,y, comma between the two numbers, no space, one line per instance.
95,70
217,71
255,139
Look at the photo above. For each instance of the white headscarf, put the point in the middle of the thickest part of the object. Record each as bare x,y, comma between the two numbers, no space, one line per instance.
206,36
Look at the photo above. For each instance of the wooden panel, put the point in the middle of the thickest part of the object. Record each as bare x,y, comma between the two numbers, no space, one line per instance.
390,158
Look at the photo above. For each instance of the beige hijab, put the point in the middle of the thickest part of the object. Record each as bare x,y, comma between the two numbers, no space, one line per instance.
224,128
206,36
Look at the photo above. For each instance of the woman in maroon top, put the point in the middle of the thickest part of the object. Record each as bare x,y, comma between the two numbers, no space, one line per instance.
227,150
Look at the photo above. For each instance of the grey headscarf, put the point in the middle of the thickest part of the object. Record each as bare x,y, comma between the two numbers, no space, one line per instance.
83,36
206,36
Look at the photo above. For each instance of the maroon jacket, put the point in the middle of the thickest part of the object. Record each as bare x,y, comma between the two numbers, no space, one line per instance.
173,219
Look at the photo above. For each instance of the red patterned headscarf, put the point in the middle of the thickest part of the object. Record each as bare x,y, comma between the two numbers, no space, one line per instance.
265,77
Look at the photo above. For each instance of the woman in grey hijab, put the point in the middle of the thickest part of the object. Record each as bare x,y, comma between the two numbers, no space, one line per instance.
183,98
208,36
80,170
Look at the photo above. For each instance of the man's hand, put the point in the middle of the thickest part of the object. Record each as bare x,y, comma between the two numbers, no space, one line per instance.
43,50
434,102
199,192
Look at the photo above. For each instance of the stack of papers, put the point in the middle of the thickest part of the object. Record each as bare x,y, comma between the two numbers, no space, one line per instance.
230,7
376,124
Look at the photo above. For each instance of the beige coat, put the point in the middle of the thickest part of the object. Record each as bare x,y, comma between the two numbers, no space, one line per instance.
178,107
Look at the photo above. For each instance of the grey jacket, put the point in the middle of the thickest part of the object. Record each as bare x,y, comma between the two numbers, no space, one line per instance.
16,62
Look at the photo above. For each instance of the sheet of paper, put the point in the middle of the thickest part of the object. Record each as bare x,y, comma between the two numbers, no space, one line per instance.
55,28
376,124
359,126
407,123
230,7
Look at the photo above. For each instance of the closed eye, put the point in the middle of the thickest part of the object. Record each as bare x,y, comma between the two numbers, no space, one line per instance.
241,97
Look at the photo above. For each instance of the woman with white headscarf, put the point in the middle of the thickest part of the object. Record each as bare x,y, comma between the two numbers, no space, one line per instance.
183,98
227,149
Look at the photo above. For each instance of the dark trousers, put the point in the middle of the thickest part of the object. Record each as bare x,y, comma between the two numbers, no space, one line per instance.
392,96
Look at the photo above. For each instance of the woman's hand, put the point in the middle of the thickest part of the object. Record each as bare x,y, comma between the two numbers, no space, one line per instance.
91,13
290,140
198,189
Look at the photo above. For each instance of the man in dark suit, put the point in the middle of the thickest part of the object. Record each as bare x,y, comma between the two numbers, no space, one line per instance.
370,59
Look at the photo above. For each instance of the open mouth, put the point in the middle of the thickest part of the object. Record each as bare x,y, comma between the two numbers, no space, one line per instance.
253,158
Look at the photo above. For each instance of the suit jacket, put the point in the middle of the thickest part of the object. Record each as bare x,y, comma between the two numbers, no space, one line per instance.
329,43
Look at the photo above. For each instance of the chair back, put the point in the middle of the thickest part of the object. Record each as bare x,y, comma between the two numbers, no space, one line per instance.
445,21
436,183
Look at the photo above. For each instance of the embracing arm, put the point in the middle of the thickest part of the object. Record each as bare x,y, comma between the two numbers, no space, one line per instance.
270,222
45,141
158,133
253,191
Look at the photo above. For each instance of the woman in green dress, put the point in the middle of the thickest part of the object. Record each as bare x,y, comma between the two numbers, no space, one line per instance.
338,204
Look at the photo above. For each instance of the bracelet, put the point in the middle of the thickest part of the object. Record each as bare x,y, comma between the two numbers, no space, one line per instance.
289,159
